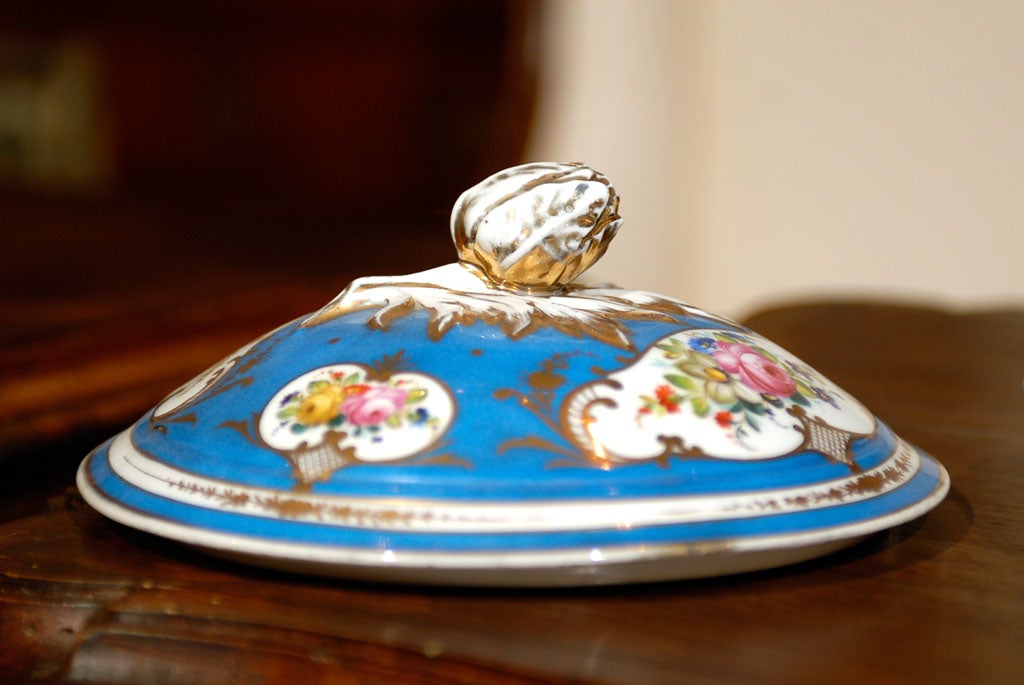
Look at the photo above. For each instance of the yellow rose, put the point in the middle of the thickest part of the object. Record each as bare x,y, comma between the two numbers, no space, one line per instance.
320,407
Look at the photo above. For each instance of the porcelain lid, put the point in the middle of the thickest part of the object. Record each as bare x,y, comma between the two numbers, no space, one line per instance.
490,421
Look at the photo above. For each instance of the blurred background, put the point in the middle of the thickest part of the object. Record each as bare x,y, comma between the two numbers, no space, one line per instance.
250,134
764,150
798,149
176,177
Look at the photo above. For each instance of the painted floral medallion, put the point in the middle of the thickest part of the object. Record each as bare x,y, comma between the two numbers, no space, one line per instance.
716,393
358,413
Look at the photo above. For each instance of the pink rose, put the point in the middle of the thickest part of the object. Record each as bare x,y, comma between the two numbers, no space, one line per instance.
755,370
728,355
374,406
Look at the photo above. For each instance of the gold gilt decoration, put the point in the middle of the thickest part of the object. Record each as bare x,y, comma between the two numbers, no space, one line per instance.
451,296
387,366
900,466
584,447
312,463
522,236
231,372
309,463
836,444
580,419
539,400
536,226
285,507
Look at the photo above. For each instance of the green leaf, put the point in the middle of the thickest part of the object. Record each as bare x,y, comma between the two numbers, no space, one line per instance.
351,378
681,382
752,407
803,387
800,399
415,395
701,406
673,348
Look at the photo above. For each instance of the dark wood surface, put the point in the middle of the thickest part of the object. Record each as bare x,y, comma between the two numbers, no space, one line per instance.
939,600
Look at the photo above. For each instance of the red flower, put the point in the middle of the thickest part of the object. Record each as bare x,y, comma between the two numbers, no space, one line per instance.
666,398
724,418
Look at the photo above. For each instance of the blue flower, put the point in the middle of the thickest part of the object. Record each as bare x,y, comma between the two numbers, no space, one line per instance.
703,344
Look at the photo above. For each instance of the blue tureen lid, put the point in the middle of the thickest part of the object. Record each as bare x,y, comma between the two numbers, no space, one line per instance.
491,422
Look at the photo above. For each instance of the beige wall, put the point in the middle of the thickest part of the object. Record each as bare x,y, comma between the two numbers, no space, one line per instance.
797,149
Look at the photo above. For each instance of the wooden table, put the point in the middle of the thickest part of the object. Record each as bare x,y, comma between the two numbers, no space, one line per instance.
939,600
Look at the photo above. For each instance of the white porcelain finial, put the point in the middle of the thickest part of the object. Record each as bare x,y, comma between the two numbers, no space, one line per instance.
536,227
